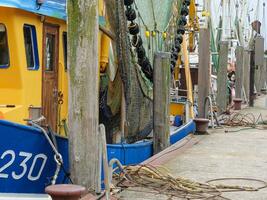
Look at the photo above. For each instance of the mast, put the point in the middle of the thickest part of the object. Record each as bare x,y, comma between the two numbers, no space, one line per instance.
226,17
264,25
243,10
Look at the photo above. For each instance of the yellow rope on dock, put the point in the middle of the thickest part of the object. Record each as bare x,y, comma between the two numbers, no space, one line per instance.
161,181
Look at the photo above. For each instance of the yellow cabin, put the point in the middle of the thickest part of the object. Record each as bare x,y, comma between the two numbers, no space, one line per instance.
33,61
33,72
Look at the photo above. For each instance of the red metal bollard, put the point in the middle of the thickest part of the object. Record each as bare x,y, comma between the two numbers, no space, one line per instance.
65,191
202,125
237,103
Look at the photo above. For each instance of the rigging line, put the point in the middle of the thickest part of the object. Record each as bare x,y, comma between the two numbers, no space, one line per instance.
172,18
153,12
139,15
257,10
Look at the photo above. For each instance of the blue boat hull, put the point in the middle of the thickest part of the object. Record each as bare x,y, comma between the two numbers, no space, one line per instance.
27,160
139,152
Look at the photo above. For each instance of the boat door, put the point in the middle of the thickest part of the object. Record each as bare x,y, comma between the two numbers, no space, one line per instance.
50,75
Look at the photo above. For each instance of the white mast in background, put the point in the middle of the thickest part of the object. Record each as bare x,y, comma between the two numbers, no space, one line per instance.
226,17
242,22
264,26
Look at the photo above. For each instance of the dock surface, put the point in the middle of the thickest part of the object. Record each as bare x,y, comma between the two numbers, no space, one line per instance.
229,152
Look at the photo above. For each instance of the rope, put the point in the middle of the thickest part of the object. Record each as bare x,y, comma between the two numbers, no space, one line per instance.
140,16
246,120
153,13
162,182
57,157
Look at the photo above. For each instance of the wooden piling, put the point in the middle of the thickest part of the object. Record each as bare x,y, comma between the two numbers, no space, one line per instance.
161,101
239,71
204,70
252,78
259,63
246,74
222,94
83,68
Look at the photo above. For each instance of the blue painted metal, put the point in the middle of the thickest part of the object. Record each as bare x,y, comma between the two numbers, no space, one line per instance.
51,8
178,121
20,138
27,140
183,131
130,153
139,152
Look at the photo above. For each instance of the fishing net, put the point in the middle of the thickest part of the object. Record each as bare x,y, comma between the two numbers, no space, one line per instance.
124,70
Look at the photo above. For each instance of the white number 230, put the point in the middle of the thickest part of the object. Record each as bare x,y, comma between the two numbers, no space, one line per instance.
22,168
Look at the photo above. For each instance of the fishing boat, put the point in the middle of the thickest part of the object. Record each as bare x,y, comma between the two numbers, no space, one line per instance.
33,75
34,83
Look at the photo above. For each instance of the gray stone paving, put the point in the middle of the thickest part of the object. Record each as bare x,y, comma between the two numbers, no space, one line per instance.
222,155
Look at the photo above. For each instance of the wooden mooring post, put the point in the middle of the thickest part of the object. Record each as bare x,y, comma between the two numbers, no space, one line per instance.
252,78
246,73
83,68
161,101
239,71
259,63
222,97
204,70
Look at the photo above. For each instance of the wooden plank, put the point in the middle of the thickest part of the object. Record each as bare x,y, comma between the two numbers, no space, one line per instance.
188,78
222,97
161,101
204,69
239,71
83,68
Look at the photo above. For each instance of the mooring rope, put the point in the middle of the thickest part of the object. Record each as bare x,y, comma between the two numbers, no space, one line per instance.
159,181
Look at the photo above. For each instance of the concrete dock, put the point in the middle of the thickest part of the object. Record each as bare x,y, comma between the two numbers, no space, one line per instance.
229,152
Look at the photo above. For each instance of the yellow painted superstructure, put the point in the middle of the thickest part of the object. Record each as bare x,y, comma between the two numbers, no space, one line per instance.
20,86
177,108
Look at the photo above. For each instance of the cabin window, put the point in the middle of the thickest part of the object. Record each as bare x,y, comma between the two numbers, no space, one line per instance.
31,48
50,52
65,50
4,53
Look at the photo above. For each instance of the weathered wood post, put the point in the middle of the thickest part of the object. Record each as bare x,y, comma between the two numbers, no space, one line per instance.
222,96
161,101
239,71
259,63
265,73
246,77
204,69
83,91
252,77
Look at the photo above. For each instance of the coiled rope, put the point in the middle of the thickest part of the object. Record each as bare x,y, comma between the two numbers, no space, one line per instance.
159,181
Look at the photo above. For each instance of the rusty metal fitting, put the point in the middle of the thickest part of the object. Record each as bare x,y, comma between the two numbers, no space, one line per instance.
65,191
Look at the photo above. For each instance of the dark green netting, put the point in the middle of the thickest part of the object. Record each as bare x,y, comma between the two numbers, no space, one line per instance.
138,90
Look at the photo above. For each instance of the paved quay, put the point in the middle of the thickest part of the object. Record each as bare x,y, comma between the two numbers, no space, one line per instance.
229,152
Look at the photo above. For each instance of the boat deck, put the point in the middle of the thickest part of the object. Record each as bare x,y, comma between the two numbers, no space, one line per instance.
220,154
